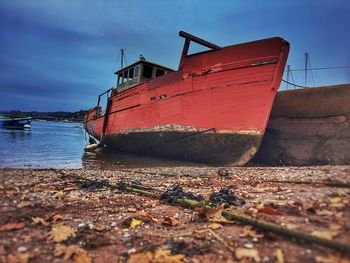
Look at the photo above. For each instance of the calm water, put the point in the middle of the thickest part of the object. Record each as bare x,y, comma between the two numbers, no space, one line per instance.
44,145
61,145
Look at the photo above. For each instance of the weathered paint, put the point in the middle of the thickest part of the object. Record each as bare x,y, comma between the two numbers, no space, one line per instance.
205,146
229,91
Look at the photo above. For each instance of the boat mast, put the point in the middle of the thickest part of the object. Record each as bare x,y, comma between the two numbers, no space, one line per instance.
122,58
288,73
306,65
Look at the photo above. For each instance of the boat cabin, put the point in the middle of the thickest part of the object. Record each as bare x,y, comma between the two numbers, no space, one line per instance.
143,71
139,72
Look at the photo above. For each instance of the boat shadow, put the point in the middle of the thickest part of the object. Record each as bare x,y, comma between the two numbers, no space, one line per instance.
112,160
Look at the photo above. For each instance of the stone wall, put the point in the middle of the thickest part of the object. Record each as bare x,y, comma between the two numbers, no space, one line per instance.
308,127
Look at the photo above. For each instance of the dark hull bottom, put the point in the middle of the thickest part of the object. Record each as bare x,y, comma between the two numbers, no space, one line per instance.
208,147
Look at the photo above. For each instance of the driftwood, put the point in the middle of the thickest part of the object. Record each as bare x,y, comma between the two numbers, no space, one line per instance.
274,228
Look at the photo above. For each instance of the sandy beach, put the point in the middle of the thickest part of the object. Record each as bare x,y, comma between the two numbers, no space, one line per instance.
89,216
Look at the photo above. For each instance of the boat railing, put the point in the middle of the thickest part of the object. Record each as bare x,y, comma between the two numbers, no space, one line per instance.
188,38
107,94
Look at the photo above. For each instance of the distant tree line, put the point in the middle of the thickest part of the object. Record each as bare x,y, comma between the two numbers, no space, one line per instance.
77,116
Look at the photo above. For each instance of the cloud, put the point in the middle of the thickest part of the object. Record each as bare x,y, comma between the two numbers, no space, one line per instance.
63,53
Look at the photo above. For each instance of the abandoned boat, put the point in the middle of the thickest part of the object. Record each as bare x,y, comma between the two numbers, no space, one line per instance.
17,123
213,109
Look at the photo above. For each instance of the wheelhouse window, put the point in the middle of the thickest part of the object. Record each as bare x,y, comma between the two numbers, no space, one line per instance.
139,72
147,71
125,76
128,75
159,72
131,74
136,71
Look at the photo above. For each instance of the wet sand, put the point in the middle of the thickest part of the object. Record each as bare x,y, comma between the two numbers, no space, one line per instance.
52,216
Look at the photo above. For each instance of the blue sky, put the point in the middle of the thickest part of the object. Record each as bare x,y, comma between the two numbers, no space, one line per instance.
59,55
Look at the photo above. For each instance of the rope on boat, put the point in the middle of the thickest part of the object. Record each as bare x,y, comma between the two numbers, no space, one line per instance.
290,83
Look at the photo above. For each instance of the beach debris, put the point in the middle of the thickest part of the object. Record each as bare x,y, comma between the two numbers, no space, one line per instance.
290,225
135,223
59,194
93,185
17,257
218,237
269,210
170,221
88,224
39,221
135,182
187,248
249,232
79,255
121,186
98,227
91,147
225,196
223,173
55,217
12,226
334,194
288,208
279,255
323,212
215,226
65,251
160,255
213,214
172,195
60,233
247,252
111,208
22,249
327,234
336,202
146,217
332,258
334,226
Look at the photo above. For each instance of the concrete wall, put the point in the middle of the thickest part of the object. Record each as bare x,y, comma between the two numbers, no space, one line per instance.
307,127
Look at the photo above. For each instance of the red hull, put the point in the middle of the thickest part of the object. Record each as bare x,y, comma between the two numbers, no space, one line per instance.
227,92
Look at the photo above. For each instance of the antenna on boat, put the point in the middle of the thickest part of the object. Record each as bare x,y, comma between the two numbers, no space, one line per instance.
122,58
